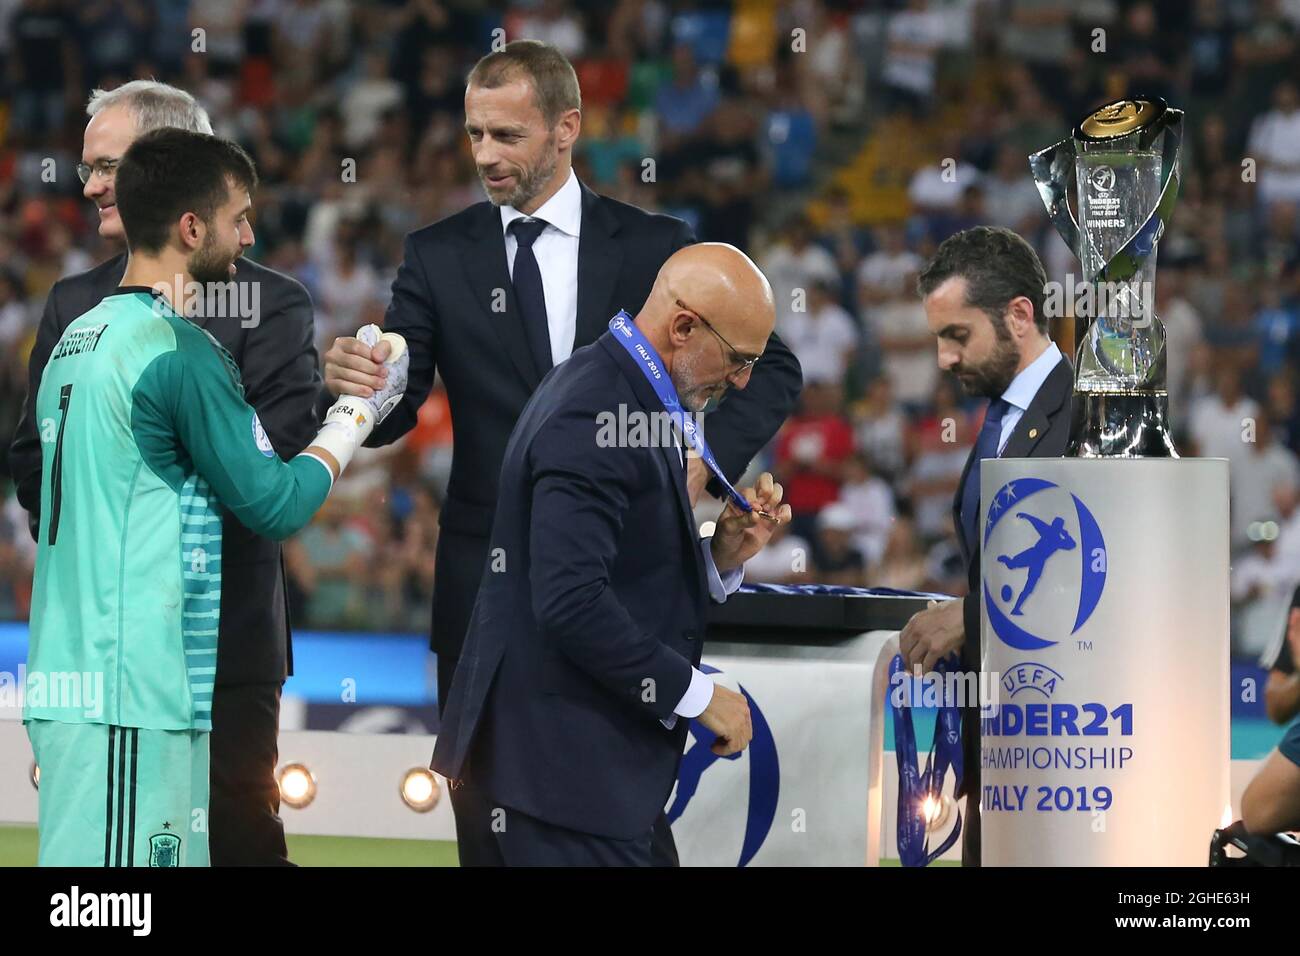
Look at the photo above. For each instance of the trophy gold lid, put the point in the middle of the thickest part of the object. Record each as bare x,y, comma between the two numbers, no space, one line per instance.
1120,118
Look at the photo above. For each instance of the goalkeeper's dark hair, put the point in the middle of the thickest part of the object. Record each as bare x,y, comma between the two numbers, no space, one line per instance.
169,172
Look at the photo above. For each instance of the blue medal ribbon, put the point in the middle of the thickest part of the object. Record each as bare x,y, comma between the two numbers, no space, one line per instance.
638,346
913,784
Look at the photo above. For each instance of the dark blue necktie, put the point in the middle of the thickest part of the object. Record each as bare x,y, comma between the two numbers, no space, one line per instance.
986,446
529,293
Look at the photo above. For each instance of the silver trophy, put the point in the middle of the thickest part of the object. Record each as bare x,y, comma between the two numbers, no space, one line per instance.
1122,161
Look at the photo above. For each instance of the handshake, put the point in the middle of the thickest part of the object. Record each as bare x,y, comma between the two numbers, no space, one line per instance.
354,416
364,407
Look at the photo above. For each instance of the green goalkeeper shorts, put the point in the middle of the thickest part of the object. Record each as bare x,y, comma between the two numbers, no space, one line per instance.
121,796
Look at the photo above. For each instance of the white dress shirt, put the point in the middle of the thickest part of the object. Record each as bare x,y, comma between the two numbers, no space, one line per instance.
1023,388
556,250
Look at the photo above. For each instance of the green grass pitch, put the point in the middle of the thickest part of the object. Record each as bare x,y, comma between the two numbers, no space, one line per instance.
18,848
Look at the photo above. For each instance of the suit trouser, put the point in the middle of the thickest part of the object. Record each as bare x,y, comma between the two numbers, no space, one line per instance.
459,568
527,841
244,826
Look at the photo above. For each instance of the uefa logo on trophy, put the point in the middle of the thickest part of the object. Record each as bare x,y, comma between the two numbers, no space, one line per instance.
1121,162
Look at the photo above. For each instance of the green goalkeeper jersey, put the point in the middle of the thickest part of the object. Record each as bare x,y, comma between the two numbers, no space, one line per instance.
145,435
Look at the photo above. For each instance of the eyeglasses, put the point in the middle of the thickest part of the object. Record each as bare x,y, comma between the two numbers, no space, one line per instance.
741,361
103,168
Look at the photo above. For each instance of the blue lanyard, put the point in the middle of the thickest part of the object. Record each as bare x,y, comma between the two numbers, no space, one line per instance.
913,785
636,345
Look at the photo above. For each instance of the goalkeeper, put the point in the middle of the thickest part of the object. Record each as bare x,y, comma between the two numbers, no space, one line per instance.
146,437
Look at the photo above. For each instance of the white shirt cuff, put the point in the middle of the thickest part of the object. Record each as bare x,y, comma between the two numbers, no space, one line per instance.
720,585
697,697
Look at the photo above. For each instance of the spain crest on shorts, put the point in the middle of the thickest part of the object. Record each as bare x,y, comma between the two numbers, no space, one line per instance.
164,850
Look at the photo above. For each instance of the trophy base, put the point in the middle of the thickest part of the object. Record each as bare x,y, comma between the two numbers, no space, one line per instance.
1132,424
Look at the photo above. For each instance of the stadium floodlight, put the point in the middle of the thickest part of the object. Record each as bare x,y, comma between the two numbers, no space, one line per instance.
297,785
420,790
36,776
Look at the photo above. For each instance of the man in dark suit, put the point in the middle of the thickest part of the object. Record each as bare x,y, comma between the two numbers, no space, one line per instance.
570,706
493,297
264,319
983,294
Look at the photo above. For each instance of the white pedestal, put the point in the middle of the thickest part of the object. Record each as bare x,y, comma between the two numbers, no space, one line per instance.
1108,743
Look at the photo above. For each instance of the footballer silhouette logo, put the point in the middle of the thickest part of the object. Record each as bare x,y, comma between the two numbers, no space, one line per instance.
1040,539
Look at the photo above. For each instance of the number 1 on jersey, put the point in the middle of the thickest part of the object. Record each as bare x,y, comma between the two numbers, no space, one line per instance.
56,487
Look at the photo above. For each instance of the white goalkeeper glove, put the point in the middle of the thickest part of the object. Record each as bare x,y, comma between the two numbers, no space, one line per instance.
350,420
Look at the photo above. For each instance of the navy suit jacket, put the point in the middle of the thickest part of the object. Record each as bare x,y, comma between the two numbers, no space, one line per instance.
589,616
1042,432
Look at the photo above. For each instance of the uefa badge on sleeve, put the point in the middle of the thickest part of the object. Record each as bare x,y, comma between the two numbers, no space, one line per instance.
261,439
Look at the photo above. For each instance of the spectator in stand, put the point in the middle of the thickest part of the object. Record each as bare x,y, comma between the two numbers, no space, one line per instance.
837,559
939,442
1275,326
880,426
811,450
1275,145
1184,343
907,350
329,560
1262,466
350,290
970,212
937,186
888,273
793,263
15,317
902,565
551,21
1219,420
785,559
367,99
1209,51
1010,195
1264,52
726,174
914,36
683,104
870,500
824,338
1282,409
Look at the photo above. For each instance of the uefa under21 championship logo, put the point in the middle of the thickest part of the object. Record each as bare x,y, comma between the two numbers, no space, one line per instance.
1040,539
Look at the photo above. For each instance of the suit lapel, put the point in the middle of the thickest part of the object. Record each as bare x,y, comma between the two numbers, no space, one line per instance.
1029,431
1033,424
488,274
600,259
650,402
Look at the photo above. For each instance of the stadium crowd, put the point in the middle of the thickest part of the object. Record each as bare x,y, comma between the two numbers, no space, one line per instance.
838,142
